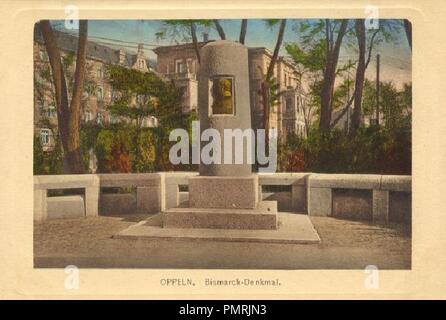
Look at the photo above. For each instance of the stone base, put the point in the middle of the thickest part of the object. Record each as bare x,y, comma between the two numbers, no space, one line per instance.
292,228
263,217
224,192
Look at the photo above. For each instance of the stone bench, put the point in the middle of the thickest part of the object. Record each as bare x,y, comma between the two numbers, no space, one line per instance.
329,194
90,183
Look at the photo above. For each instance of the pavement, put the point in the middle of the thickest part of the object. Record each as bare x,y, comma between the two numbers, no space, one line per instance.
345,244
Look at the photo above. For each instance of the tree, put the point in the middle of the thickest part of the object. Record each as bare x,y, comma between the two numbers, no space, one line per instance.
243,29
309,59
375,37
408,31
267,83
141,95
360,74
316,56
220,30
68,115
396,105
333,46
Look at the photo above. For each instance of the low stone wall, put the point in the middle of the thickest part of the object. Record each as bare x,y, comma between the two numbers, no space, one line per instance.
298,183
110,204
364,197
45,208
146,199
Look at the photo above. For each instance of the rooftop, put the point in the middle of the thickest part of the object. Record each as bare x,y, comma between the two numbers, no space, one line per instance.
183,46
95,51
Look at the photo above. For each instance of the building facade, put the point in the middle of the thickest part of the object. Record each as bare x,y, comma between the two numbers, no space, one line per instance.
179,63
98,93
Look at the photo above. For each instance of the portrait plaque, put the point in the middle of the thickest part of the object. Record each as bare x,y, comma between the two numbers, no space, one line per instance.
222,93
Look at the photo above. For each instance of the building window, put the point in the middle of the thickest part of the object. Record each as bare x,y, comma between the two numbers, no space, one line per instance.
45,135
140,100
113,119
113,94
288,105
99,118
189,65
179,66
153,121
42,55
222,91
100,73
100,94
87,116
41,110
298,102
51,112
183,92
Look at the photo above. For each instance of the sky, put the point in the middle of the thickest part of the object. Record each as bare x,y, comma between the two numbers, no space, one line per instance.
396,61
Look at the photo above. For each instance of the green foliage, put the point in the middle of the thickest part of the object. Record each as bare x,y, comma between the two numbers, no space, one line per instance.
384,149
375,150
395,105
47,162
271,23
342,93
312,59
142,95
114,146
180,30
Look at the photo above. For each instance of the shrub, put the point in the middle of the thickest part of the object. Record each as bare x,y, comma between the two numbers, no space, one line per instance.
377,150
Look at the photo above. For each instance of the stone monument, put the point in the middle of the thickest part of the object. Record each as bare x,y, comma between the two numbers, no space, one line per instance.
224,195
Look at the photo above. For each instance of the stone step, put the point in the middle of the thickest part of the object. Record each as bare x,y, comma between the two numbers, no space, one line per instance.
292,228
263,217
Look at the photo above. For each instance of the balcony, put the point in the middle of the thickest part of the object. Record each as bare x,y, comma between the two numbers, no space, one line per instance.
182,76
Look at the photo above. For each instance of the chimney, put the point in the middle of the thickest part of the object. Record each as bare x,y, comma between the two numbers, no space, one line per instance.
205,37
121,56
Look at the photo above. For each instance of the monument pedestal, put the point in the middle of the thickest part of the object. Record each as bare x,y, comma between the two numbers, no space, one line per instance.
263,217
222,202
224,192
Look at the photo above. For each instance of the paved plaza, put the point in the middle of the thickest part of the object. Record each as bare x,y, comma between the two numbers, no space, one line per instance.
89,243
